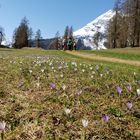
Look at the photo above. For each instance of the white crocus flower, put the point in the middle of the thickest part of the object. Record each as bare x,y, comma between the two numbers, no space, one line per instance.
38,84
91,68
60,67
84,123
67,111
30,71
83,70
93,72
92,76
64,87
138,92
101,75
75,69
42,70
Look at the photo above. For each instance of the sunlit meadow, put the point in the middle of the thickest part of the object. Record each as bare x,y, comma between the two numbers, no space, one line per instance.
49,96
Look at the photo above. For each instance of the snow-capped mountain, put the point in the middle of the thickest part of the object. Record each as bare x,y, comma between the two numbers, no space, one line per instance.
86,34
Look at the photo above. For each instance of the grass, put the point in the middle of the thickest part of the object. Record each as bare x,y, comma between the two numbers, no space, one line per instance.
33,109
127,54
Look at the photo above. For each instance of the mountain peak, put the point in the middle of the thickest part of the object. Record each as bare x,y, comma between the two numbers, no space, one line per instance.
99,24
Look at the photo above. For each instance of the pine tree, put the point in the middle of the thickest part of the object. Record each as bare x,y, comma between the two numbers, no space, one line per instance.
38,39
21,34
71,32
66,33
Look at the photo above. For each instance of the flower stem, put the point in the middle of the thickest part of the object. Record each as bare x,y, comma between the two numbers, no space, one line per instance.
83,134
2,136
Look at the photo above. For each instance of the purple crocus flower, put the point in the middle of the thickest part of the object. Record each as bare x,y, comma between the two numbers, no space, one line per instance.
129,105
53,86
106,118
2,126
129,87
78,93
119,89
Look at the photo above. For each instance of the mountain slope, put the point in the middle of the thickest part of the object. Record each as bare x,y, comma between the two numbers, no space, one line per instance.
87,33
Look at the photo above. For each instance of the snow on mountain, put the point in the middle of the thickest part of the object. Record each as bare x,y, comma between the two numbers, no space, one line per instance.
6,43
87,33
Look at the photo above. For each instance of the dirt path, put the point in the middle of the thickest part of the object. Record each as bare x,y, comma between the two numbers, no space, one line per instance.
102,58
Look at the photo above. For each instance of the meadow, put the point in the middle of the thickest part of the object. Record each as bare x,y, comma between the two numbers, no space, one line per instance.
53,95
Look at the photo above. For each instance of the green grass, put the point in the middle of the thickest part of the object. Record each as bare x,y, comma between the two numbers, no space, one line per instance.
128,54
32,110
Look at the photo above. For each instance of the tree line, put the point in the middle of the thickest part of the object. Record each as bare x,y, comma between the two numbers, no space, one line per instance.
23,36
57,43
124,29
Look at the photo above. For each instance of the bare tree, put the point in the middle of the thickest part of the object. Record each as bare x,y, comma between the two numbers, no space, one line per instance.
55,44
124,29
30,35
2,35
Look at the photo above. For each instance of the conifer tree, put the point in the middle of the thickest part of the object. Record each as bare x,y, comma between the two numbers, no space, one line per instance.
66,33
71,32
38,39
21,34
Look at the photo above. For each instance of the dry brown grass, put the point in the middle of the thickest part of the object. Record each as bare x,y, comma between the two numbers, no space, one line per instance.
102,58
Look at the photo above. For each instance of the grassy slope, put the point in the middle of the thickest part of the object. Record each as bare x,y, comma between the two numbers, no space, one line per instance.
128,54
36,52
37,112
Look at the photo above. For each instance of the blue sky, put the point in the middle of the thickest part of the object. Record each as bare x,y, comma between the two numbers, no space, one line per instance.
51,16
